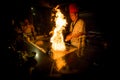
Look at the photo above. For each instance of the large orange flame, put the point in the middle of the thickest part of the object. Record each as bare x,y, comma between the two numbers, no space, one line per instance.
57,39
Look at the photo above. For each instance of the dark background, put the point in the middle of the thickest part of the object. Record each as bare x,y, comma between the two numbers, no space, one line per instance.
19,9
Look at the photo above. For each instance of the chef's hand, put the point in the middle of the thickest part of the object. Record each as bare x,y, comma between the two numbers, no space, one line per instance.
68,38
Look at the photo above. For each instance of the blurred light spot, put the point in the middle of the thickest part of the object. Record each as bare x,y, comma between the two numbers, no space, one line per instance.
32,8
34,14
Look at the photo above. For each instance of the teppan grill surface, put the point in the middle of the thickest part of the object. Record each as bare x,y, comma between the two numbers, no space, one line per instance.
44,62
45,52
45,57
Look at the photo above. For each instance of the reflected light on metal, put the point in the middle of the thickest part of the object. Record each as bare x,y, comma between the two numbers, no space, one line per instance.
37,55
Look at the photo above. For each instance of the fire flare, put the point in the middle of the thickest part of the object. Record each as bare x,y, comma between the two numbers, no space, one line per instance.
57,39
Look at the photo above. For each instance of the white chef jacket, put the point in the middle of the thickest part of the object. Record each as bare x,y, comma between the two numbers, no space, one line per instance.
79,26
